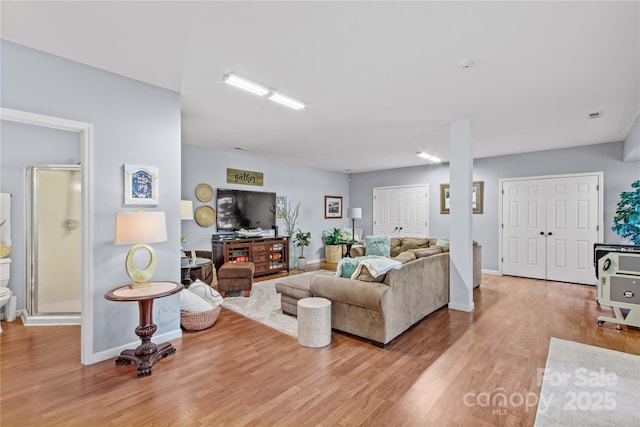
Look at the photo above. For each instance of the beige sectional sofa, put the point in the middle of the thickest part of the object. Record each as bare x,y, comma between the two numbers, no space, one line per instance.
380,311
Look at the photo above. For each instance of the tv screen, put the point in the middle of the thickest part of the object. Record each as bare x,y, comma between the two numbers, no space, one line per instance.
245,209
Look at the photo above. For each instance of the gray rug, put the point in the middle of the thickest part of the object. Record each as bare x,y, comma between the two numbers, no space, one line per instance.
264,306
589,386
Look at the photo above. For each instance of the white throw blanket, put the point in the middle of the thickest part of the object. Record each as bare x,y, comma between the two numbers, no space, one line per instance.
377,266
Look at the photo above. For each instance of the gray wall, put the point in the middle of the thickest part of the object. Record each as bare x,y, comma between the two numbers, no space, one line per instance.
618,176
134,123
299,183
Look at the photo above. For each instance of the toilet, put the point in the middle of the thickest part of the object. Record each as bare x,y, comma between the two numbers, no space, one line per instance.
6,295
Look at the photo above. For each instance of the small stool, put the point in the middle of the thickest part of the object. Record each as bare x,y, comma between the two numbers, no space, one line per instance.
236,276
314,322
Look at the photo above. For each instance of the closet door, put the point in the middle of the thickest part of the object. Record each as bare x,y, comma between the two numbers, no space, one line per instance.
401,211
523,228
572,228
549,228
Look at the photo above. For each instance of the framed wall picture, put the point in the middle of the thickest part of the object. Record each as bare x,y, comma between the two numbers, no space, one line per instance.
333,206
141,185
477,195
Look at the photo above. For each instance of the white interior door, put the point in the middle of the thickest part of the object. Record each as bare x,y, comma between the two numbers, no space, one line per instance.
523,234
550,226
385,212
401,211
572,228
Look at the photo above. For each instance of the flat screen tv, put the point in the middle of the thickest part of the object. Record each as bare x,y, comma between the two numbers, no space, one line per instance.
245,209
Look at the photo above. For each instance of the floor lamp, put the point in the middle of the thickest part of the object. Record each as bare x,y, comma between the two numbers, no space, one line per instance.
356,213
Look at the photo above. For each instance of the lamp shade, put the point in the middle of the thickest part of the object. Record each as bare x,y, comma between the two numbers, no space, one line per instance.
186,209
356,213
140,227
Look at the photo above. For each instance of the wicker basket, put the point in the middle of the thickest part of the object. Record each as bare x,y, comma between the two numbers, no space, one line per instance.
200,320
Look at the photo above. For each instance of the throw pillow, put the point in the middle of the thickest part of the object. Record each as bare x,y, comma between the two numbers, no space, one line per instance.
442,242
378,245
347,266
192,303
206,292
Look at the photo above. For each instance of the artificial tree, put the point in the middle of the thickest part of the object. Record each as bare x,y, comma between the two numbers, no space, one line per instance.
301,240
627,220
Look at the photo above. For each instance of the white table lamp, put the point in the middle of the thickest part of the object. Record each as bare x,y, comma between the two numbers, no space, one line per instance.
139,229
186,209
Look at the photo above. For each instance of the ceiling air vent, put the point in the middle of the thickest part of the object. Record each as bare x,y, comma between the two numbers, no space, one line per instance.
595,115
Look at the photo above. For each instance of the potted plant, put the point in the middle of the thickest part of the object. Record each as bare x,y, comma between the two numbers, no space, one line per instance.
332,245
627,220
301,240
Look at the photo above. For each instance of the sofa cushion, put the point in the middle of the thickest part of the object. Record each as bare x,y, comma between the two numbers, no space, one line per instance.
378,245
409,243
296,286
396,244
349,292
423,252
405,257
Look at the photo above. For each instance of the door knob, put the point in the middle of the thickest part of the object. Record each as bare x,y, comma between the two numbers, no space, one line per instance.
542,233
549,234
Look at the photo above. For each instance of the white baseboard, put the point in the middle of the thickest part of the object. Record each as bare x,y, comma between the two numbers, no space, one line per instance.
50,320
461,307
492,272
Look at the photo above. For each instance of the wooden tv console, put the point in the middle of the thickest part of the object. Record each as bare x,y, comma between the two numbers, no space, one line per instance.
269,254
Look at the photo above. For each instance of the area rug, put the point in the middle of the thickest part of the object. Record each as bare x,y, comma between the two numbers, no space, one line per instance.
264,305
589,386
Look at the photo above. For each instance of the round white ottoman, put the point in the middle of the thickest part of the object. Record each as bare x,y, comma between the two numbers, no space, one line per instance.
314,322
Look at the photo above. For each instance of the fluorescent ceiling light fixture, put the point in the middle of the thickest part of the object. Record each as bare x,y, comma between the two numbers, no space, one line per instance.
429,157
246,84
285,100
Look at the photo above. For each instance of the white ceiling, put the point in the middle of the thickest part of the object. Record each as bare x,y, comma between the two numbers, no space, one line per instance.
380,78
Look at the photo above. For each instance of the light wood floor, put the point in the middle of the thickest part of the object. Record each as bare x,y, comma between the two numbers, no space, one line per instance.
240,372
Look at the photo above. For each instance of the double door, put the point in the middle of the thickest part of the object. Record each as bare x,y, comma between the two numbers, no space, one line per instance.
549,227
401,211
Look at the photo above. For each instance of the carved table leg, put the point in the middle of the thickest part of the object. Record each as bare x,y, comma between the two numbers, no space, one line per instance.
147,353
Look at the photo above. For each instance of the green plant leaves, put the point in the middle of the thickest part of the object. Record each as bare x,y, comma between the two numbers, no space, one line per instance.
626,222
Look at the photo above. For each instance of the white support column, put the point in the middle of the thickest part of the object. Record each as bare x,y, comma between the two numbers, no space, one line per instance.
461,217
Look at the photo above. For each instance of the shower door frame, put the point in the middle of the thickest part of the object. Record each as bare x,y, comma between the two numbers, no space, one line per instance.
85,131
32,241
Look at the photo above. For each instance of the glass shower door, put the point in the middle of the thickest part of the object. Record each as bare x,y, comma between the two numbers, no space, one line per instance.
55,237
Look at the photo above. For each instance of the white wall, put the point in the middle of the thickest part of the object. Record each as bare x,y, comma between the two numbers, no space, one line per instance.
24,145
134,123
618,176
631,151
299,183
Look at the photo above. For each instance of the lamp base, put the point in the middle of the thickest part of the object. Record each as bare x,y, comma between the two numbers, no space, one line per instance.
138,285
136,274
